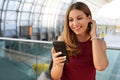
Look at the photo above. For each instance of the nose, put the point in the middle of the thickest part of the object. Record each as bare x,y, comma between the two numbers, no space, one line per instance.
75,23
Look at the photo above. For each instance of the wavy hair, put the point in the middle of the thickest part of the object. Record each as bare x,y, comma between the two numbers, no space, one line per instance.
68,35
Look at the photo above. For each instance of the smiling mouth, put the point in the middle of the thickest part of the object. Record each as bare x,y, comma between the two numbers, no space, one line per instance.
77,28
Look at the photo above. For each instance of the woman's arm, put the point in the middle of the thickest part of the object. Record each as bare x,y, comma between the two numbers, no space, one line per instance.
99,54
57,69
99,50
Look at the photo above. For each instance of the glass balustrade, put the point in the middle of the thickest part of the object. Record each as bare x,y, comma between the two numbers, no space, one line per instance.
112,72
25,59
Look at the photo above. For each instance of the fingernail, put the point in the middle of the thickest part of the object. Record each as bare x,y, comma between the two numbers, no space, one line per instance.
60,52
64,56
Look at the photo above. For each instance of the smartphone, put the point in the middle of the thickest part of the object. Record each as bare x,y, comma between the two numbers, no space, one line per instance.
60,46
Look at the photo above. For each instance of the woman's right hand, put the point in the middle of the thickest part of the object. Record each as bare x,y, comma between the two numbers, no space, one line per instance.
57,61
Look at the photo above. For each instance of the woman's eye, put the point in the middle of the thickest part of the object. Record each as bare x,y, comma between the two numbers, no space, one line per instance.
79,18
70,20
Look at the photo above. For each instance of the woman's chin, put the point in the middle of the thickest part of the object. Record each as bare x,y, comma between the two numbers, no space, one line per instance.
77,33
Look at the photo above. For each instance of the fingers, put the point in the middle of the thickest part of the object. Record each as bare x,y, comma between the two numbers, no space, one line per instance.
60,59
93,23
53,50
54,54
57,60
57,54
93,29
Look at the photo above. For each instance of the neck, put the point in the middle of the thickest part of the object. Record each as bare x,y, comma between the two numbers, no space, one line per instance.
83,38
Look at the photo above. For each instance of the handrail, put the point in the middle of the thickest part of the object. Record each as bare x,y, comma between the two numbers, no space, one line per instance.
113,48
48,42
24,40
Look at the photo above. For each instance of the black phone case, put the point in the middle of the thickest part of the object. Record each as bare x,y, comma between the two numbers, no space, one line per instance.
60,46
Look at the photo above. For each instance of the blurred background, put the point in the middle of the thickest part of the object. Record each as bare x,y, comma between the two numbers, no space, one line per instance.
28,27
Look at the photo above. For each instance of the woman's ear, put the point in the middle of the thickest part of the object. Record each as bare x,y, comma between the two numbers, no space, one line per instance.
90,18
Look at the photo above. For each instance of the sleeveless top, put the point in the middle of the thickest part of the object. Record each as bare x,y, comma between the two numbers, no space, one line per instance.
80,67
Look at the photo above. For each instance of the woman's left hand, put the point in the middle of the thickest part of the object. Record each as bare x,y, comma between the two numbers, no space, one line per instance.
93,32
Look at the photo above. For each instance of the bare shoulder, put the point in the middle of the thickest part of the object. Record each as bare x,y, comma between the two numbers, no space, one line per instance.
60,38
102,43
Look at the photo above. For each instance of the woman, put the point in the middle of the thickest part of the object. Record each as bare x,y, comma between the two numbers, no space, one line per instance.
87,53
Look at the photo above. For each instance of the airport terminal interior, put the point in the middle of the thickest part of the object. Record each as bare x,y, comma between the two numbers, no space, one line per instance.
28,28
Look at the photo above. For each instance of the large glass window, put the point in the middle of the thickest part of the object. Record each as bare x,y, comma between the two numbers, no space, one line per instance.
42,15
1,3
13,5
10,15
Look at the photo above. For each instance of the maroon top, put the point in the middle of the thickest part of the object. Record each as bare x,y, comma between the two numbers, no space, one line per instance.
80,67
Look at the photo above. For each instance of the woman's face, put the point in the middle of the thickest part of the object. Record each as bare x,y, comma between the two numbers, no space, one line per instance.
78,21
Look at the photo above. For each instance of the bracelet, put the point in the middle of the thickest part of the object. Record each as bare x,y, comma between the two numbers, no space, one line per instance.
93,38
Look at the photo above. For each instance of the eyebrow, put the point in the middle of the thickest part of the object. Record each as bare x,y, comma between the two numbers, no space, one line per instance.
77,16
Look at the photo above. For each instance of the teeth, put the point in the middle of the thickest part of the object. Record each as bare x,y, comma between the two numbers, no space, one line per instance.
77,27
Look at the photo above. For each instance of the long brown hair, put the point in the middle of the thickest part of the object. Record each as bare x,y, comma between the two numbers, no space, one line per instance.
68,35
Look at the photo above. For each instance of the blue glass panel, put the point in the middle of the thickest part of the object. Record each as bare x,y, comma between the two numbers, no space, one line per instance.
25,16
1,3
27,7
38,8
10,25
113,70
29,1
13,5
11,15
10,33
22,23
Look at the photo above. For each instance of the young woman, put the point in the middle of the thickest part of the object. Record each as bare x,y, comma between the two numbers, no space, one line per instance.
87,53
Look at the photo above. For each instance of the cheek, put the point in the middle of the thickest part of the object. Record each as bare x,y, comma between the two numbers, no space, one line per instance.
85,24
70,25
85,27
